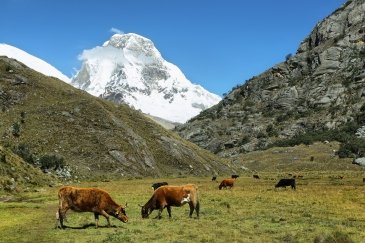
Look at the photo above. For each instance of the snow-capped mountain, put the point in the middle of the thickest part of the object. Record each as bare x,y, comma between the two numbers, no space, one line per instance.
31,61
129,69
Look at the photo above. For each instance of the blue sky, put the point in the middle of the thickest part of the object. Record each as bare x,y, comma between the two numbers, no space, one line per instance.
216,43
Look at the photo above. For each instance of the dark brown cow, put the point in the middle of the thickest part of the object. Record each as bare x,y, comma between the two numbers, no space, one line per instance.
177,196
256,176
88,200
286,182
229,182
158,184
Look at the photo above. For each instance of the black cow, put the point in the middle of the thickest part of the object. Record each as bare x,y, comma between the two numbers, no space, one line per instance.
158,184
214,178
256,176
286,182
235,176
363,179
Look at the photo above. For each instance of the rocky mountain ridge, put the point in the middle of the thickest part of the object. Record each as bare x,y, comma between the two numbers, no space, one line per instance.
321,87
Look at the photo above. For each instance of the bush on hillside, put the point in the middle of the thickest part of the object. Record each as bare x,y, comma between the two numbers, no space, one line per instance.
54,162
23,151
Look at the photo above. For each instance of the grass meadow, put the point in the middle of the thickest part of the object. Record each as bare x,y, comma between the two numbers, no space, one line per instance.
322,208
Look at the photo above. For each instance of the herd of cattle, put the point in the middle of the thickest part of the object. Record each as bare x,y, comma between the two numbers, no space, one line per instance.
100,202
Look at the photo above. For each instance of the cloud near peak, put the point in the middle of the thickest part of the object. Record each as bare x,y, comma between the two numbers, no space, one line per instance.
116,31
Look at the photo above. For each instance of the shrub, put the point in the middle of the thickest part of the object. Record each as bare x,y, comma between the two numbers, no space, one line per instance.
15,129
355,147
51,162
2,158
243,140
23,151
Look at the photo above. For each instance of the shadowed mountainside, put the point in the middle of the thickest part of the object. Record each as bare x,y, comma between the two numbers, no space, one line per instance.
95,138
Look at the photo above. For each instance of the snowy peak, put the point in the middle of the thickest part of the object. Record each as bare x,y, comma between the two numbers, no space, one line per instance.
129,69
32,62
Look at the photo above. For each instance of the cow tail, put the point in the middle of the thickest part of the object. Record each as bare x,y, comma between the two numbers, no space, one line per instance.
197,206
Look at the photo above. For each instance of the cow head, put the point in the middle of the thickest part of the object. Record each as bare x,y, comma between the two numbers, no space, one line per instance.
121,214
145,212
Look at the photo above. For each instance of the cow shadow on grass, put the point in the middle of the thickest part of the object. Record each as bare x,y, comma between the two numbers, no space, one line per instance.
86,226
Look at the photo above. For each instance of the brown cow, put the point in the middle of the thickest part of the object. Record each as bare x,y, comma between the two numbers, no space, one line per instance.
88,200
227,183
177,196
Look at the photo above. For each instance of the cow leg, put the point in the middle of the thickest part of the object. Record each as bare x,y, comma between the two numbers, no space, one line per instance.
197,208
57,220
169,211
106,216
62,216
96,215
159,214
191,205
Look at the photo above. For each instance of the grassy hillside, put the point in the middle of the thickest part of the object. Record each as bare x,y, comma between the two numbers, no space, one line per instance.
299,159
94,137
17,175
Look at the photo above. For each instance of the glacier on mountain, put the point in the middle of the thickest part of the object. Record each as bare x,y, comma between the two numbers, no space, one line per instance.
129,69
31,61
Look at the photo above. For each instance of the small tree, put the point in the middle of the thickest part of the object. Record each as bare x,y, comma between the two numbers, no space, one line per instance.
15,129
22,117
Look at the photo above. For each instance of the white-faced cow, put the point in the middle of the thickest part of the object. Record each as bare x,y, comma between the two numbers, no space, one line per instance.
229,182
88,200
176,196
286,182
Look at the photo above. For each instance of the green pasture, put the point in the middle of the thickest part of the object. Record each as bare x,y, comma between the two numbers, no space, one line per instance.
322,208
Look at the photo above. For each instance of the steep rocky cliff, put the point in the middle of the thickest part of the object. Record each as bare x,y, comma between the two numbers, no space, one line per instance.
321,87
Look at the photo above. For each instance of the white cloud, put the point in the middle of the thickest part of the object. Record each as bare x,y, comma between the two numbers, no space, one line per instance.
116,31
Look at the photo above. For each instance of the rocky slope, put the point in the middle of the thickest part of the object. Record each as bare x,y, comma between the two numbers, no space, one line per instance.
96,138
320,87
129,69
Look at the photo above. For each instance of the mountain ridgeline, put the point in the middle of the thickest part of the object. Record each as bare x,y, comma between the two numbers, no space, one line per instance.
320,88
56,127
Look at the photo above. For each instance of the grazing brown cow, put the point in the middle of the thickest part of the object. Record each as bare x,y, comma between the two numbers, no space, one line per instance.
88,200
227,183
177,196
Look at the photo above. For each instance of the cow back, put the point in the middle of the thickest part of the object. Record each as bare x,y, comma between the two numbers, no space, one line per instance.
85,199
173,195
